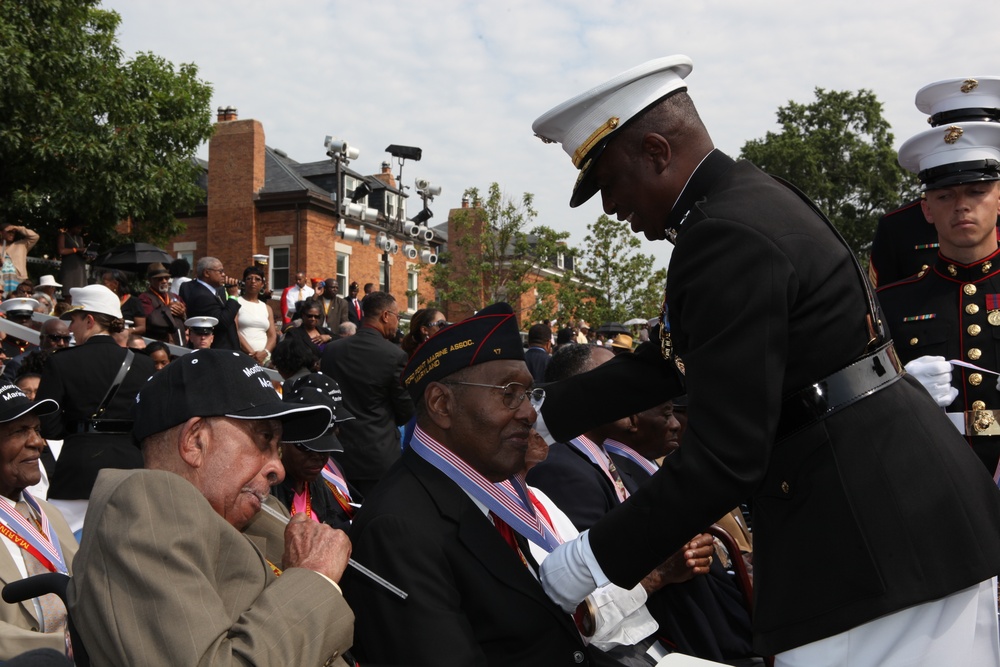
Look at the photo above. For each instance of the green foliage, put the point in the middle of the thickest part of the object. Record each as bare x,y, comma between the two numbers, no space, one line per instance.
838,151
624,283
492,257
85,133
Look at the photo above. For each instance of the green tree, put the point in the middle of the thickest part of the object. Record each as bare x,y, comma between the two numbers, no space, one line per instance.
623,280
492,256
838,151
85,133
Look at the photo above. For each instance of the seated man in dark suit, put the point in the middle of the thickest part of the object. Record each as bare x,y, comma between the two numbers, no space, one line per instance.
213,295
167,577
449,521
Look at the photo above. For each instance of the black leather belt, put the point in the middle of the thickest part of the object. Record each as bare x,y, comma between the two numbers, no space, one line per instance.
850,384
102,426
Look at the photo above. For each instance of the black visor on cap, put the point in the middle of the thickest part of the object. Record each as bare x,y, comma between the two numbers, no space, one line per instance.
958,173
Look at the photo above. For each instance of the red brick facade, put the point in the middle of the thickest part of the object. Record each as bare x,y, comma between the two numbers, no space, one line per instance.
240,221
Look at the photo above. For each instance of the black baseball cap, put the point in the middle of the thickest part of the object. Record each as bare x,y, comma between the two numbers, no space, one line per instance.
220,383
15,403
318,389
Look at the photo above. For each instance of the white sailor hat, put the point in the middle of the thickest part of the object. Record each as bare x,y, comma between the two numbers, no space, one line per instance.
585,124
203,322
960,100
94,299
953,154
19,304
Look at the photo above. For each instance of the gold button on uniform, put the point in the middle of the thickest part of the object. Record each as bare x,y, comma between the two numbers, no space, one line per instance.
975,353
914,340
969,289
978,405
974,329
975,379
972,309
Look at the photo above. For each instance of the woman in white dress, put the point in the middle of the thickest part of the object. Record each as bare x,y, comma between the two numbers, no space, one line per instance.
254,321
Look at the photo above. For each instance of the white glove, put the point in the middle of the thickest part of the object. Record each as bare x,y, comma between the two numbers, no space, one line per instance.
934,373
571,572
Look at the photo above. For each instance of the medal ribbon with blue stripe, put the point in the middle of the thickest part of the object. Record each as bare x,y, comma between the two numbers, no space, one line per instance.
599,458
620,448
41,539
331,476
507,499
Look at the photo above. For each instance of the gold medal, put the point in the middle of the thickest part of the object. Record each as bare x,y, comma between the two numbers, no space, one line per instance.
994,318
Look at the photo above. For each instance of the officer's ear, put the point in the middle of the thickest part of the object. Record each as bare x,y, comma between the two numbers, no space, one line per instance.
656,149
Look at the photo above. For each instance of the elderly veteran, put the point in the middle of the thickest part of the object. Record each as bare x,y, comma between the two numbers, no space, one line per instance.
165,575
36,537
449,522
314,484
796,398
95,384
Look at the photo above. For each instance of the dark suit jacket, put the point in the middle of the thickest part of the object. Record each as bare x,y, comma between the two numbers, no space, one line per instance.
537,360
576,485
78,378
472,601
367,368
201,301
162,579
764,301
353,306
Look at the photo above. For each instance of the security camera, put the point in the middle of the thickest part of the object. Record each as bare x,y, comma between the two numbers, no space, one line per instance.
428,256
409,251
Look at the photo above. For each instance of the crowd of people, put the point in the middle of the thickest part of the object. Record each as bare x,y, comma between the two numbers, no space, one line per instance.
231,478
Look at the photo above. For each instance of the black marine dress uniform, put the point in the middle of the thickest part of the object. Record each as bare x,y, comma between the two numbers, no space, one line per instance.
952,310
905,243
78,378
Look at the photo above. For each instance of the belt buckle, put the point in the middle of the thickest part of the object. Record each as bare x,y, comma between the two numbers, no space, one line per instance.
982,422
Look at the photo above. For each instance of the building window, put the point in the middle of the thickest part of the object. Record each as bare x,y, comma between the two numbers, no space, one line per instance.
278,266
382,286
411,290
560,260
343,270
390,205
187,255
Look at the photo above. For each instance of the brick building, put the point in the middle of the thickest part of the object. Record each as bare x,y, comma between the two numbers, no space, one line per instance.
261,202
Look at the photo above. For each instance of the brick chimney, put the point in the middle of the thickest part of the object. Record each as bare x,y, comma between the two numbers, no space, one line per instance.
386,175
235,175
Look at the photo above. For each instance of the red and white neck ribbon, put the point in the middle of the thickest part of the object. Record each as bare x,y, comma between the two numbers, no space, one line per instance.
37,540
596,455
507,499
621,449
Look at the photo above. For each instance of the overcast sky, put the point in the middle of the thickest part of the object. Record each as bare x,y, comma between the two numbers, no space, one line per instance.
465,80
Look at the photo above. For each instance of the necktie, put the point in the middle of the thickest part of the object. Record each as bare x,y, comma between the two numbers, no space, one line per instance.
507,533
52,608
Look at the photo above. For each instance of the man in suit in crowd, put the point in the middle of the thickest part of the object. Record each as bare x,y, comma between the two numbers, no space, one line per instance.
166,577
434,529
334,305
367,368
768,311
539,350
39,622
354,313
209,296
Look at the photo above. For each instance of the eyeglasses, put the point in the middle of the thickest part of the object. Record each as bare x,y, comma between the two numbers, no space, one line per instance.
56,337
310,316
396,313
253,279
513,393
220,270
440,324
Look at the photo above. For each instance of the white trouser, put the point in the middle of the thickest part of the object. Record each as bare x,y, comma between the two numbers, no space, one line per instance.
960,629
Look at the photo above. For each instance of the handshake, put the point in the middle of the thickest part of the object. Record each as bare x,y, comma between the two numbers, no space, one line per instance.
934,373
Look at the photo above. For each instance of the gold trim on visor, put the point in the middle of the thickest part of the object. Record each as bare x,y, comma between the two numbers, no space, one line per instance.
604,130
